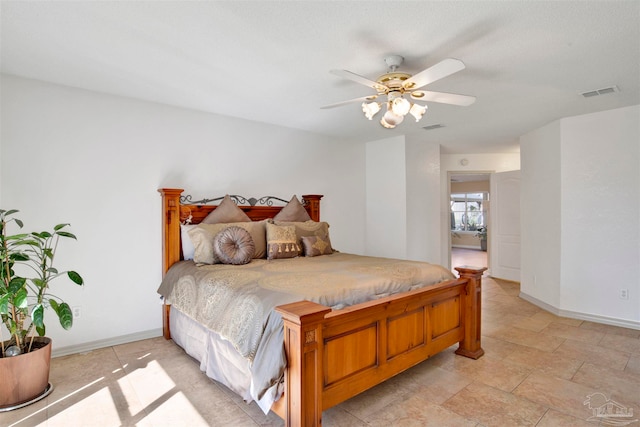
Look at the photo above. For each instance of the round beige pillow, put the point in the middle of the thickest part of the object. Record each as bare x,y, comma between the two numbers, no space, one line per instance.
234,245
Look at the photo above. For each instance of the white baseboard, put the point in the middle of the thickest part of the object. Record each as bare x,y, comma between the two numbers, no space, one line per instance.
95,345
466,247
613,321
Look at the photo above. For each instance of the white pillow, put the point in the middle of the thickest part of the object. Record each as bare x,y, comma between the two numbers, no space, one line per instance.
187,245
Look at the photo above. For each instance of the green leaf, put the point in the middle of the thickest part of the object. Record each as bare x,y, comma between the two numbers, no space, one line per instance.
13,328
39,283
40,330
66,234
10,212
20,224
17,236
75,278
21,242
65,315
20,300
4,304
52,270
19,256
43,234
59,226
16,284
37,316
54,304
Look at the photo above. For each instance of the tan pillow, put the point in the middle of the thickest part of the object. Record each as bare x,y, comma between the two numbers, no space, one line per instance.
281,242
227,211
233,245
307,228
202,238
316,245
293,211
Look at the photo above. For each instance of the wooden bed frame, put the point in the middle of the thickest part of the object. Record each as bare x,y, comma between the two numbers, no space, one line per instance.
335,355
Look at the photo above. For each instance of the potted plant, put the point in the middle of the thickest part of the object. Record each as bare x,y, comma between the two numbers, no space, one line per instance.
26,273
482,234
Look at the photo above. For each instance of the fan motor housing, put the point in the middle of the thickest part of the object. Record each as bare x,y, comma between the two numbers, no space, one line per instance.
393,81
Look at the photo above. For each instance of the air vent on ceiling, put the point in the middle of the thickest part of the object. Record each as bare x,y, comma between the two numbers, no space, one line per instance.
602,91
430,127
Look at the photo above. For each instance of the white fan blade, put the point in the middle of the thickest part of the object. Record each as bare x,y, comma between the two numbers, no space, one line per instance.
351,101
440,70
443,97
359,79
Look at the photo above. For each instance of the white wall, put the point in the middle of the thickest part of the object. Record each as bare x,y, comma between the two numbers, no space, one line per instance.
540,215
403,208
423,201
386,193
491,162
601,213
96,161
596,202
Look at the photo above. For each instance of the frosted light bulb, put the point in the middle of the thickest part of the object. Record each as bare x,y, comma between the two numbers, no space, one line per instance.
418,111
370,109
400,106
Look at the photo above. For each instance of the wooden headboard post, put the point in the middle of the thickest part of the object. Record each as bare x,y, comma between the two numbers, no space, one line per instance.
170,240
170,226
312,204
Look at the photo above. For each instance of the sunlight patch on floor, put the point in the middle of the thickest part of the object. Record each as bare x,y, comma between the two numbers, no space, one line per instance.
176,411
57,402
98,406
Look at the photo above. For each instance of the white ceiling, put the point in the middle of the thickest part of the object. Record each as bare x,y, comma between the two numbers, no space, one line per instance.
269,61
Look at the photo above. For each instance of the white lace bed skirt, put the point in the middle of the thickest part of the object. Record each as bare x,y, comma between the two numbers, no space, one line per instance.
218,359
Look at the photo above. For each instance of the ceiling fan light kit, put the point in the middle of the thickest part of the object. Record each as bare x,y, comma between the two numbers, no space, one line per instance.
395,84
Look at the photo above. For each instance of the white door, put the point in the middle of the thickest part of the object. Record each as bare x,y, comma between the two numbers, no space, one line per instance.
504,226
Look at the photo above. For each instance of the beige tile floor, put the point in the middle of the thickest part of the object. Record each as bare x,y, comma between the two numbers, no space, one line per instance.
463,256
538,370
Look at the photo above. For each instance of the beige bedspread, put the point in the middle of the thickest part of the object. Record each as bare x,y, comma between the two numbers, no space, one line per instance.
237,301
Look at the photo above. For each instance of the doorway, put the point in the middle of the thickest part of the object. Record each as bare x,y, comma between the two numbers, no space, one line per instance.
469,218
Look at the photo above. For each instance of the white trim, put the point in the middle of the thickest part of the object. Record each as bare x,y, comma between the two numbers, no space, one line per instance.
94,345
623,323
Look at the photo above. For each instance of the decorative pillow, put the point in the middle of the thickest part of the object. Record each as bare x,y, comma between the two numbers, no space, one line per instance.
307,228
293,211
281,242
187,245
233,245
227,211
202,238
316,245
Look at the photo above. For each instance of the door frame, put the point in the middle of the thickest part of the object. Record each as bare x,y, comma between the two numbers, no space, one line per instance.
451,174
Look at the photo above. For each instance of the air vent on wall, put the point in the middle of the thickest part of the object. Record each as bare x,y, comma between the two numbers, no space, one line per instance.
430,127
602,91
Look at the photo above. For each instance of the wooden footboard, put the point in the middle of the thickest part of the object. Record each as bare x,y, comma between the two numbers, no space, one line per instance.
334,355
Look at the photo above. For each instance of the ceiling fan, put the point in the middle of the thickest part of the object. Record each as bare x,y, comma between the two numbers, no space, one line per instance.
394,85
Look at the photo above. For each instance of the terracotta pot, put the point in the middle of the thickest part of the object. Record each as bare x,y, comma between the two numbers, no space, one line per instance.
25,377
